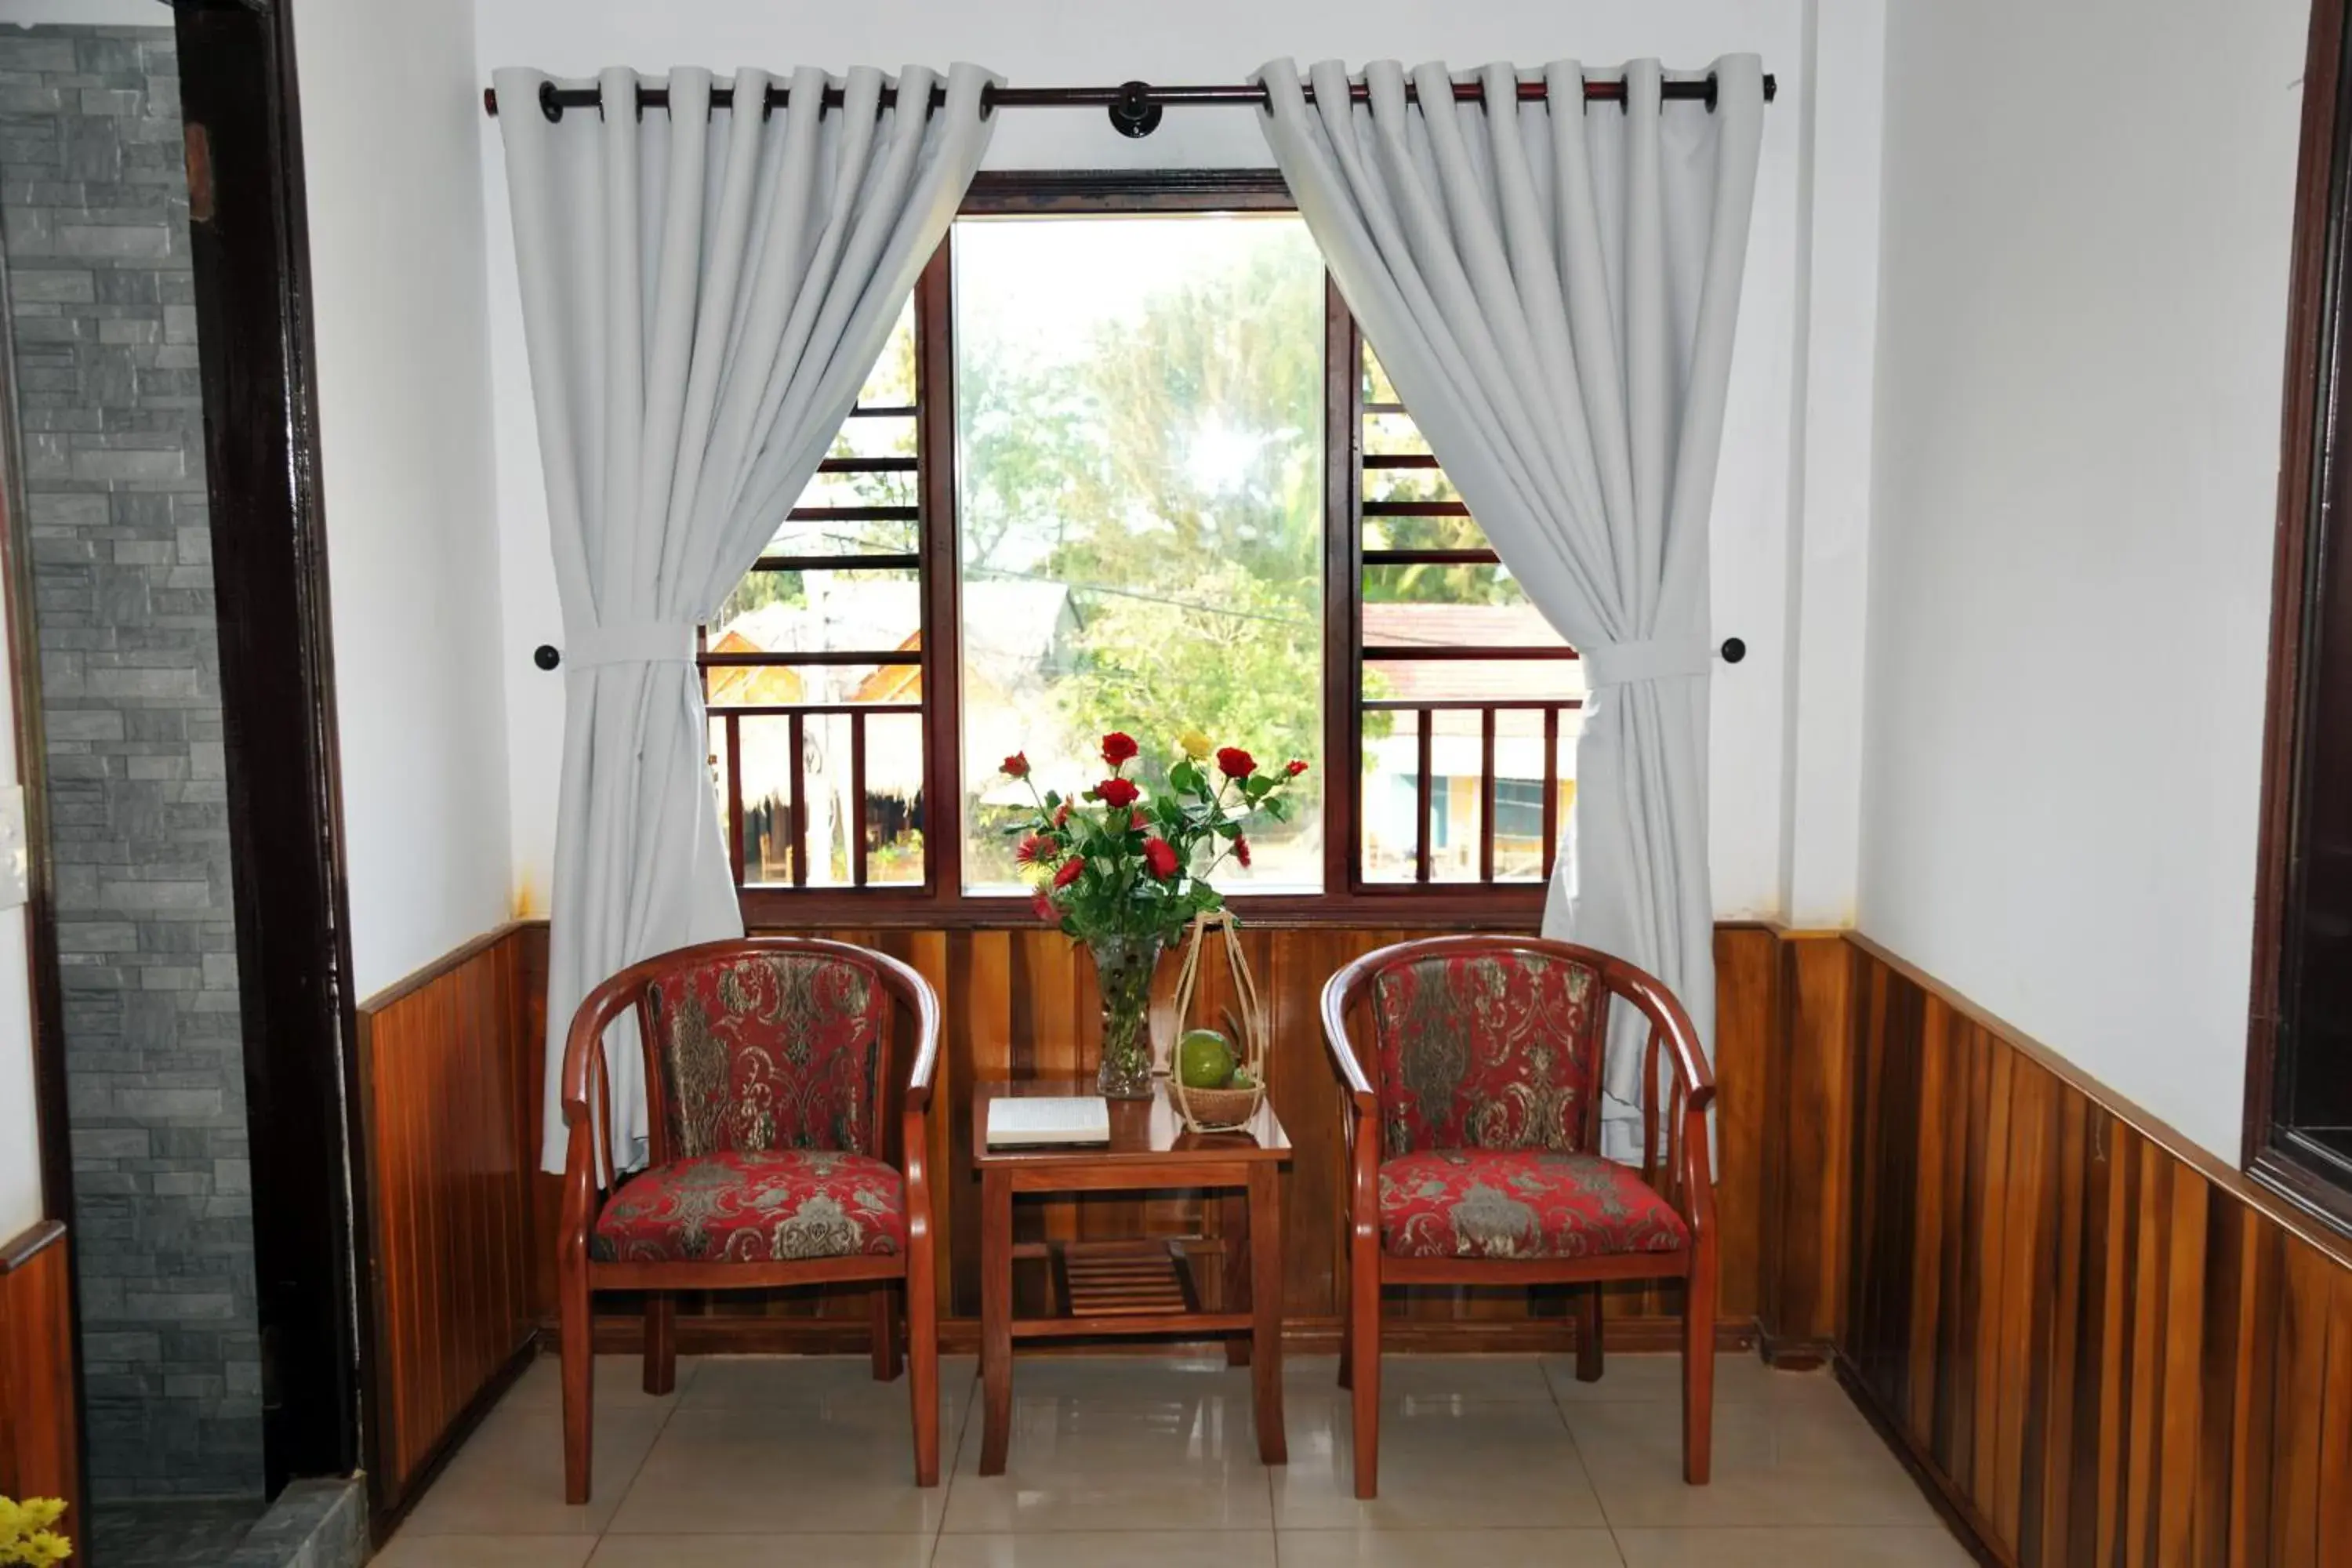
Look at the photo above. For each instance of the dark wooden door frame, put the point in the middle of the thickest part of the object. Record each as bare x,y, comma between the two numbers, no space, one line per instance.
2318,364
249,239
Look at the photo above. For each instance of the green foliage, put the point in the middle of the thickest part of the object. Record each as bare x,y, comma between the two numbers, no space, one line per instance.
1170,472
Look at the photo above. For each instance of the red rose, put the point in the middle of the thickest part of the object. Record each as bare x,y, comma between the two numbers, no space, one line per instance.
1235,763
1033,849
1241,849
1071,870
1042,907
1160,856
1062,814
1015,766
1296,768
1118,794
1117,747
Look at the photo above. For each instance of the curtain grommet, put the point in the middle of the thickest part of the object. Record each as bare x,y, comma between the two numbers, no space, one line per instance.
1734,650
1714,90
549,104
547,656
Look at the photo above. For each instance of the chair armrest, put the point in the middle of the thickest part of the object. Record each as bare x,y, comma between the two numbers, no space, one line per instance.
1362,1201
586,1098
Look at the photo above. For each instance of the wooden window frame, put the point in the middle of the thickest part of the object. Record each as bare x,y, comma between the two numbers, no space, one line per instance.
2315,483
939,901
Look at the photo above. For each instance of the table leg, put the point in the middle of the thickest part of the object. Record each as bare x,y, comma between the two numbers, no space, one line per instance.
1266,1287
1234,1245
995,1319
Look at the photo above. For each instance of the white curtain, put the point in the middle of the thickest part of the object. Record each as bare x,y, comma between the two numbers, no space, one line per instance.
1553,289
704,293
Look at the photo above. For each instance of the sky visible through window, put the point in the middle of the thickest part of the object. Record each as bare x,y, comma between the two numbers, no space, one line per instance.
1140,464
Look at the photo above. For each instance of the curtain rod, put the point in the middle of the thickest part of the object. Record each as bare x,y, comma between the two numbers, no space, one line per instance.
1135,107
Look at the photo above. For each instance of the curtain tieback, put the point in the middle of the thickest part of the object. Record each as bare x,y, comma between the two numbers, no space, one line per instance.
1659,659
630,642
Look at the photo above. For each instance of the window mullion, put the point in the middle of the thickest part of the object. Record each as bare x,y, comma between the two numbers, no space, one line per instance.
935,449
1343,586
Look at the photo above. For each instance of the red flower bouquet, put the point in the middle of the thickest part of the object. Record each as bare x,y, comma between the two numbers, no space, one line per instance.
1125,871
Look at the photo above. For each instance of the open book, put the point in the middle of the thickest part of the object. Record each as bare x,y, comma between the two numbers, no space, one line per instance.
1059,1118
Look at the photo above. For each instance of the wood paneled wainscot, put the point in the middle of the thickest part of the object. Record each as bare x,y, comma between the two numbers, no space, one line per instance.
2103,1346
450,1086
40,1416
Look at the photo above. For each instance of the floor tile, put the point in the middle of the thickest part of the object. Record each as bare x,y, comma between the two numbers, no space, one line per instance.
620,1382
1092,1549
1927,1546
1125,1377
764,1380
1147,1458
509,1478
845,1463
1798,1461
833,1550
1503,1464
1454,1547
409,1551
1463,1377
1740,1378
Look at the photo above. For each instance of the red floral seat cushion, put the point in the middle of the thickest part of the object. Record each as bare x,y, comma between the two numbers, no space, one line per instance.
754,1208
771,1050
1520,1203
1486,1049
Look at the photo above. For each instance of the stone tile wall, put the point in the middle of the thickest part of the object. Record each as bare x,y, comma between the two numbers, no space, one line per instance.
93,210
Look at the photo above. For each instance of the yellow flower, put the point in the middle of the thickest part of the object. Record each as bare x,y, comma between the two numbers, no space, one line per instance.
25,1534
1196,745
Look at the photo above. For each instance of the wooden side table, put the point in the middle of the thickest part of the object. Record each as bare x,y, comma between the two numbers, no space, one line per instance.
1138,1287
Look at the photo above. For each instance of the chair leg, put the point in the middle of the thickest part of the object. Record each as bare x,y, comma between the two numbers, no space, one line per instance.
1347,1345
661,1342
579,1377
882,1302
1588,1333
1364,1363
1699,1365
923,1360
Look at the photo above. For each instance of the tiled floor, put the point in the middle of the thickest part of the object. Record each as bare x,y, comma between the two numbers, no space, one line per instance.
1485,1462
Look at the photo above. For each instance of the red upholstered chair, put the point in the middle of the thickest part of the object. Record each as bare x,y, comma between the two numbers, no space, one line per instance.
1471,1149
787,1148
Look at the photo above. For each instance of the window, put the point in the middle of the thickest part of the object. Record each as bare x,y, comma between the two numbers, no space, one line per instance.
2298,1116
1127,464
1139,484
1468,695
812,668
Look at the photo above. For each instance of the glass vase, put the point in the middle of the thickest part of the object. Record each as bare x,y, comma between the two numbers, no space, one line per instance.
1123,969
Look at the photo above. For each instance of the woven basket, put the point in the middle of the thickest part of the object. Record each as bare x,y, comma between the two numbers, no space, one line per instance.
1221,1109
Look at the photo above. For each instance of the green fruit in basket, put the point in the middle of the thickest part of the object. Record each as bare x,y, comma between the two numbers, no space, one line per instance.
1243,1078
1205,1060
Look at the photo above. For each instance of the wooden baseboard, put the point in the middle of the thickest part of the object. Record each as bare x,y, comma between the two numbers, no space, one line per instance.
1958,1514
389,1500
751,1335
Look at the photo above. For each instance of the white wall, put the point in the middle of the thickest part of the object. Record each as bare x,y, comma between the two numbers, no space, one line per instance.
2087,206
1066,42
392,131
20,1126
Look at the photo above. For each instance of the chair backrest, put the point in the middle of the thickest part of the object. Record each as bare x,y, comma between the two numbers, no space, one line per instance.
1487,1045
764,1044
